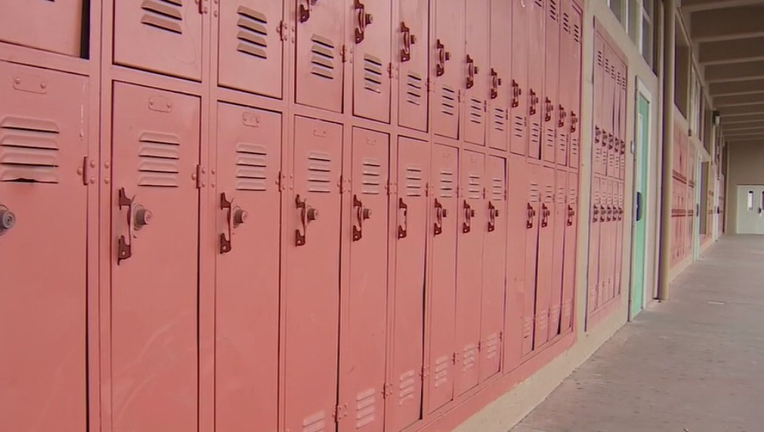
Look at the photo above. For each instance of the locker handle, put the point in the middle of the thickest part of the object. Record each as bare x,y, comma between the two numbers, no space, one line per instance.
403,227
493,213
595,213
563,114
305,9
549,108
571,213
544,215
362,214
597,133
530,215
443,57
611,141
364,19
495,83
408,40
440,213
137,218
623,147
7,219
235,217
516,93
533,101
307,215
573,121
471,71
469,213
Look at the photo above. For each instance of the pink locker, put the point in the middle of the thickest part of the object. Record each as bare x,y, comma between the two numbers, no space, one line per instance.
560,219
571,253
371,59
47,25
593,289
445,164
413,55
552,93
250,46
517,221
624,114
618,221
566,85
247,274
404,405
312,294
319,51
450,69
159,36
154,286
472,218
545,257
518,88
607,242
574,118
599,157
494,266
536,59
476,83
364,336
499,89
43,213
607,111
532,222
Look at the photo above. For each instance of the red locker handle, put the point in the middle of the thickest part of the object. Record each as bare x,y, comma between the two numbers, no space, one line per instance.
595,213
493,213
404,226
137,218
408,40
443,57
469,213
307,215
549,107
611,141
563,114
533,102
573,121
571,213
495,83
304,11
516,92
623,147
597,133
440,214
364,19
530,215
544,215
471,71
234,217
361,214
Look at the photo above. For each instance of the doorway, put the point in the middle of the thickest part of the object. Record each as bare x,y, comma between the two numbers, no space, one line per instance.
639,285
750,209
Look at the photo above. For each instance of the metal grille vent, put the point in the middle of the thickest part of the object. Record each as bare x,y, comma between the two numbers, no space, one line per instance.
414,181
449,101
406,387
446,184
560,195
469,357
474,189
315,422
163,14
599,58
372,73
535,132
253,33
577,33
159,159
566,22
476,111
28,150
441,370
322,57
518,126
372,177
365,403
563,140
534,194
539,3
492,346
499,119
251,167
548,193
553,10
414,89
497,189
572,197
319,172
549,136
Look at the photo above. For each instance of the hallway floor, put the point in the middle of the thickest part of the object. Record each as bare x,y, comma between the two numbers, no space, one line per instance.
692,364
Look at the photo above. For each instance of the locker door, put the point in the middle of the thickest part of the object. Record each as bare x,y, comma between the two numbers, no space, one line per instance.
566,85
364,337
494,269
518,88
312,294
247,268
250,47
532,222
618,216
609,125
155,223
499,79
445,164
319,64
478,17
560,220
371,59
536,59
42,313
47,25
450,70
598,157
408,322
594,247
413,55
624,110
571,254
551,80
545,257
607,243
469,268
159,36
576,83
517,225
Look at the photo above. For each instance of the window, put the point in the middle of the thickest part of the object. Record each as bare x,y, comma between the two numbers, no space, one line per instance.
637,18
750,200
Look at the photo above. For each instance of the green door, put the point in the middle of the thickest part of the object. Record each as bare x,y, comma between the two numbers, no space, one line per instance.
640,226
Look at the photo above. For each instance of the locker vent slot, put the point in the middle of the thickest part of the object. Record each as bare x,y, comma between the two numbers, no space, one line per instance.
322,57
251,166
319,172
372,177
548,193
159,159
540,3
550,135
365,402
315,422
560,196
441,370
414,86
446,184
492,346
528,327
566,22
406,387
28,150
163,14
449,101
372,73
535,132
534,192
497,189
577,33
518,126
469,357
476,111
253,33
563,141
553,10
499,119
599,58
414,182
474,190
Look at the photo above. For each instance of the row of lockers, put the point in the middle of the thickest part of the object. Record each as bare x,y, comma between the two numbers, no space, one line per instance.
683,210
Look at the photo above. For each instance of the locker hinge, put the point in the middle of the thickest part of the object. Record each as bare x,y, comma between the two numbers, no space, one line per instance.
340,412
281,181
485,106
344,53
480,346
425,372
428,84
283,31
387,391
85,170
198,176
428,190
459,96
392,188
455,358
390,70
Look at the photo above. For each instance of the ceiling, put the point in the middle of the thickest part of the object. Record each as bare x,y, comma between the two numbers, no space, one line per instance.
729,38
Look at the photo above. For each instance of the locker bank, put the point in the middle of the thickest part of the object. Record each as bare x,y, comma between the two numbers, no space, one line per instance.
298,216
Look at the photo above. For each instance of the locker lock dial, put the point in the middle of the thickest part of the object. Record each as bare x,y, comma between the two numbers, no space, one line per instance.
142,217
364,19
7,219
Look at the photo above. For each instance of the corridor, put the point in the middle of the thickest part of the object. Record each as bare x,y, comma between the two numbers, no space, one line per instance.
693,364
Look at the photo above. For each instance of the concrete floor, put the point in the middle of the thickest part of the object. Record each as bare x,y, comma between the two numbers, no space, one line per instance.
692,364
